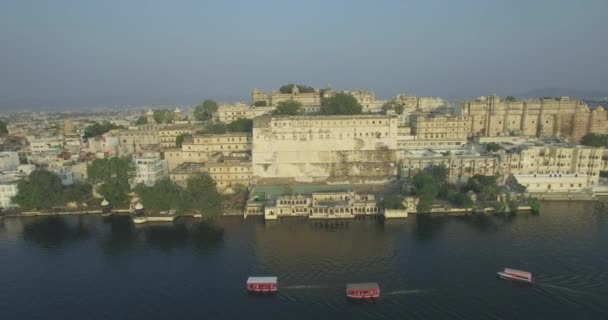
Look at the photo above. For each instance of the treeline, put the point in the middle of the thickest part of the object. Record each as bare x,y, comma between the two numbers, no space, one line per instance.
43,190
199,196
240,125
595,140
97,129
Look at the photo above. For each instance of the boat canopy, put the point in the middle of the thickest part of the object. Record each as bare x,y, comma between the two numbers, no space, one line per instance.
261,280
362,286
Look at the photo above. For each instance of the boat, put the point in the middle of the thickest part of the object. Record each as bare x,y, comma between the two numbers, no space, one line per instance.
262,284
366,290
516,275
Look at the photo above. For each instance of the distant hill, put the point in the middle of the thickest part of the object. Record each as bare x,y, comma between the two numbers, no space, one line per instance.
560,92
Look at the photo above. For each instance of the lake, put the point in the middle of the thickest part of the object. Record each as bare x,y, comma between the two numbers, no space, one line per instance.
88,267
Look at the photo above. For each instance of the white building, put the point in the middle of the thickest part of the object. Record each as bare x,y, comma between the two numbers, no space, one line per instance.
8,189
149,169
553,182
9,160
45,144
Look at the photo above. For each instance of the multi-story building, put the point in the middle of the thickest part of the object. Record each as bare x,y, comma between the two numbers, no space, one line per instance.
228,113
321,205
149,168
227,173
133,141
202,147
561,117
460,166
553,182
272,99
440,127
168,135
324,148
413,104
8,189
367,100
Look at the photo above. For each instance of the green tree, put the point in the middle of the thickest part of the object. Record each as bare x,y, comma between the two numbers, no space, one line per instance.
393,105
3,129
595,140
40,190
163,196
340,103
240,125
98,129
205,110
492,147
426,190
180,139
485,186
141,120
215,128
510,98
164,116
79,192
286,88
460,199
111,176
201,195
288,107
261,103
394,201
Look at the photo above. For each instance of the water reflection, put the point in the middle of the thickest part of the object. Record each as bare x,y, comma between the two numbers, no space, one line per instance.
120,235
55,232
182,233
428,227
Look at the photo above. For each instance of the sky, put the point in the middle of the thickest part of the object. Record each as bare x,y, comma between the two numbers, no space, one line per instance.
82,53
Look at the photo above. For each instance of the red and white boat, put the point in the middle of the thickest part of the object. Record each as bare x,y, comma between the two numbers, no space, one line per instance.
262,284
516,275
367,290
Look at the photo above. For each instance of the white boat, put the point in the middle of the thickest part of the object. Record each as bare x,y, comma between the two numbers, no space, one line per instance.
516,275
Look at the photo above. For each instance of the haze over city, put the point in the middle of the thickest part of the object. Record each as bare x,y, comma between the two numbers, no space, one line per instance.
81,54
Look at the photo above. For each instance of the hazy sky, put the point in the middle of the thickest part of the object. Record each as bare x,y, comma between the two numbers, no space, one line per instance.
107,52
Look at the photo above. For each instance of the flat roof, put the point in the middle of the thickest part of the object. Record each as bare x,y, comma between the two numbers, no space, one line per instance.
262,280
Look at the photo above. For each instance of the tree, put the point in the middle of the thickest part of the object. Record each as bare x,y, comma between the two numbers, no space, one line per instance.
261,103
393,201
79,192
595,140
205,110
340,103
492,147
180,139
510,98
141,120
240,125
288,107
163,196
164,116
201,195
426,190
98,129
485,186
3,129
393,105
40,190
286,88
112,178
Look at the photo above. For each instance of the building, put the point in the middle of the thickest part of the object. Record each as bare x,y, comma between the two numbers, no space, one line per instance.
440,127
227,173
562,117
413,104
367,100
149,168
227,113
460,166
8,189
553,182
9,160
260,99
325,148
321,205
137,140
205,147
168,135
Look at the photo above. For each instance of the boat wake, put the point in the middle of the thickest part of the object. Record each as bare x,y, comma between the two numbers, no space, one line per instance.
305,287
411,291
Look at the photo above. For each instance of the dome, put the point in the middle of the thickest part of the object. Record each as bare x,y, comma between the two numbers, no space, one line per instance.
105,202
139,206
178,110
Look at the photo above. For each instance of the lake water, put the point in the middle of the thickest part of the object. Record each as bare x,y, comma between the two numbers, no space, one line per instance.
438,268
